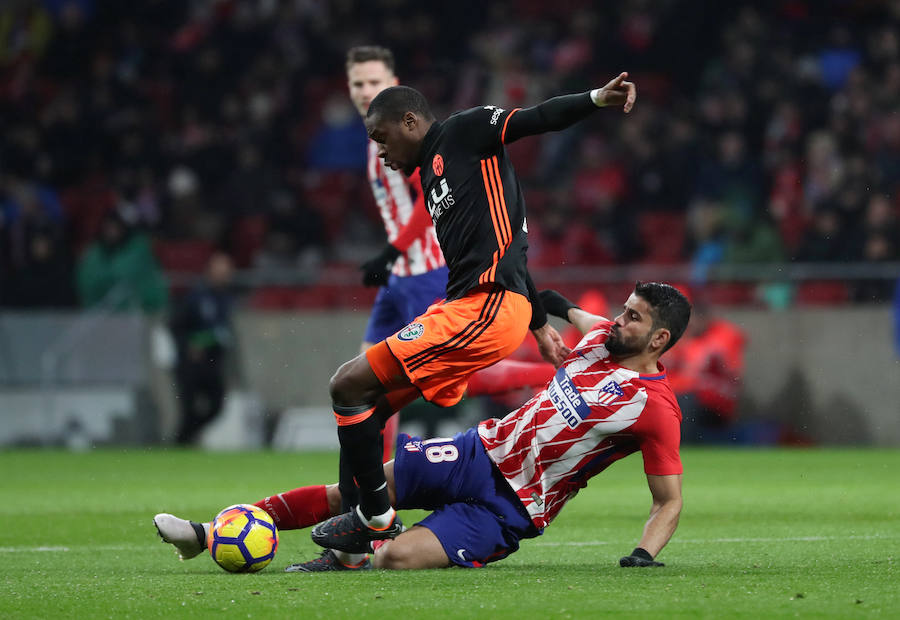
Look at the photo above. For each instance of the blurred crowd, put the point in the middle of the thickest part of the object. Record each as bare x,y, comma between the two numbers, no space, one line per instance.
765,131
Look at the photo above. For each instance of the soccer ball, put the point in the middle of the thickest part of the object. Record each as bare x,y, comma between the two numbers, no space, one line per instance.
242,539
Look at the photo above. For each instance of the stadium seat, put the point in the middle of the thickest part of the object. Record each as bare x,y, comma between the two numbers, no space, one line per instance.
821,293
662,237
355,297
269,298
333,194
525,155
84,207
730,293
281,298
187,256
247,238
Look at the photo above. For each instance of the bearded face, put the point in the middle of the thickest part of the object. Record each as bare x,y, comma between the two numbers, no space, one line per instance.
620,345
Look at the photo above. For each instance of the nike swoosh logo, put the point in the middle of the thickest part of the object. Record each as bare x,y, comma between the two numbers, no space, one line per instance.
461,554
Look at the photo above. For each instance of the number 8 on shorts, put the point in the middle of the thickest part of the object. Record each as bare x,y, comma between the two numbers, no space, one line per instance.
441,453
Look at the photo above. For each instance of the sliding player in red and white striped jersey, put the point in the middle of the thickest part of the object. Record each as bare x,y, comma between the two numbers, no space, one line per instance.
493,486
593,413
609,398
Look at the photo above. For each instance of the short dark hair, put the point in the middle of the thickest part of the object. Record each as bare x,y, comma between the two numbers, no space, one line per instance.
368,53
395,101
668,307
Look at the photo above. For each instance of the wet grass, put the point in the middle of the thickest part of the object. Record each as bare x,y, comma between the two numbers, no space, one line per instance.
764,533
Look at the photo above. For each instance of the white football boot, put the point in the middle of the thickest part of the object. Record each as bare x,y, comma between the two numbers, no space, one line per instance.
188,537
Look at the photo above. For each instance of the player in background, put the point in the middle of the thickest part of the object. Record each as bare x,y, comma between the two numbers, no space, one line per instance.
476,205
410,271
507,479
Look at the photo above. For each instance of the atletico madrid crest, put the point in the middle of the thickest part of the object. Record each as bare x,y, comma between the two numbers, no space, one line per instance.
610,393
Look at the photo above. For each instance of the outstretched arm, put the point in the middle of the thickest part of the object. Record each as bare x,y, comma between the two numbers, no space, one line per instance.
561,112
664,513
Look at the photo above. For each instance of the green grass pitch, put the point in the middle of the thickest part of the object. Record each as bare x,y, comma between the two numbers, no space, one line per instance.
764,533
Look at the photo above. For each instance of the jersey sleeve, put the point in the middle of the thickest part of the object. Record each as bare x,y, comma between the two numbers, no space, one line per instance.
488,127
552,115
481,129
660,448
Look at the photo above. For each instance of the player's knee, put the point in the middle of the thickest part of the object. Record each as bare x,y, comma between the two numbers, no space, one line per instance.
341,385
394,556
354,384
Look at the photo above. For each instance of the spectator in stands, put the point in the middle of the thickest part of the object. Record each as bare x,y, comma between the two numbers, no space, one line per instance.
33,250
25,30
706,376
556,237
877,242
807,117
119,270
880,220
732,175
204,339
752,239
706,232
295,236
43,278
824,240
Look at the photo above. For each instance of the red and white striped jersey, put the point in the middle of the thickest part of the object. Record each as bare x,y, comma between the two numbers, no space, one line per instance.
591,414
398,197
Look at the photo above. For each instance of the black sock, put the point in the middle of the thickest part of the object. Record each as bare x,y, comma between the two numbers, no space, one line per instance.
373,496
347,485
361,443
200,532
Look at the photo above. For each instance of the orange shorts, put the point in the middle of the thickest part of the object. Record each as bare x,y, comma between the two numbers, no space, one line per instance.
440,349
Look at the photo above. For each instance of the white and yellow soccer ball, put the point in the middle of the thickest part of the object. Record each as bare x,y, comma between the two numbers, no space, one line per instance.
242,539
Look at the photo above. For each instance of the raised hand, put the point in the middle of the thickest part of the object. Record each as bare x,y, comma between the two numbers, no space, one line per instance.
617,91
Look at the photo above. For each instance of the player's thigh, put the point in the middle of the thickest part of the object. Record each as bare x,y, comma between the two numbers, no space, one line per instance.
443,347
355,382
415,548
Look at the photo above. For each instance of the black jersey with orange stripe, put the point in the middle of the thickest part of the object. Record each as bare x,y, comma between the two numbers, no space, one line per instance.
475,201
474,196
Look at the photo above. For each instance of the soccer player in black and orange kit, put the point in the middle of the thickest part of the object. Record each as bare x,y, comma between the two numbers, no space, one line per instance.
477,207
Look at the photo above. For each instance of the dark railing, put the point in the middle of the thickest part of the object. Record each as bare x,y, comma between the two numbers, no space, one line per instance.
606,274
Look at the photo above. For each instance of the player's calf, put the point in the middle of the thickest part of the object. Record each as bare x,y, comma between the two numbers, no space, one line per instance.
417,548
